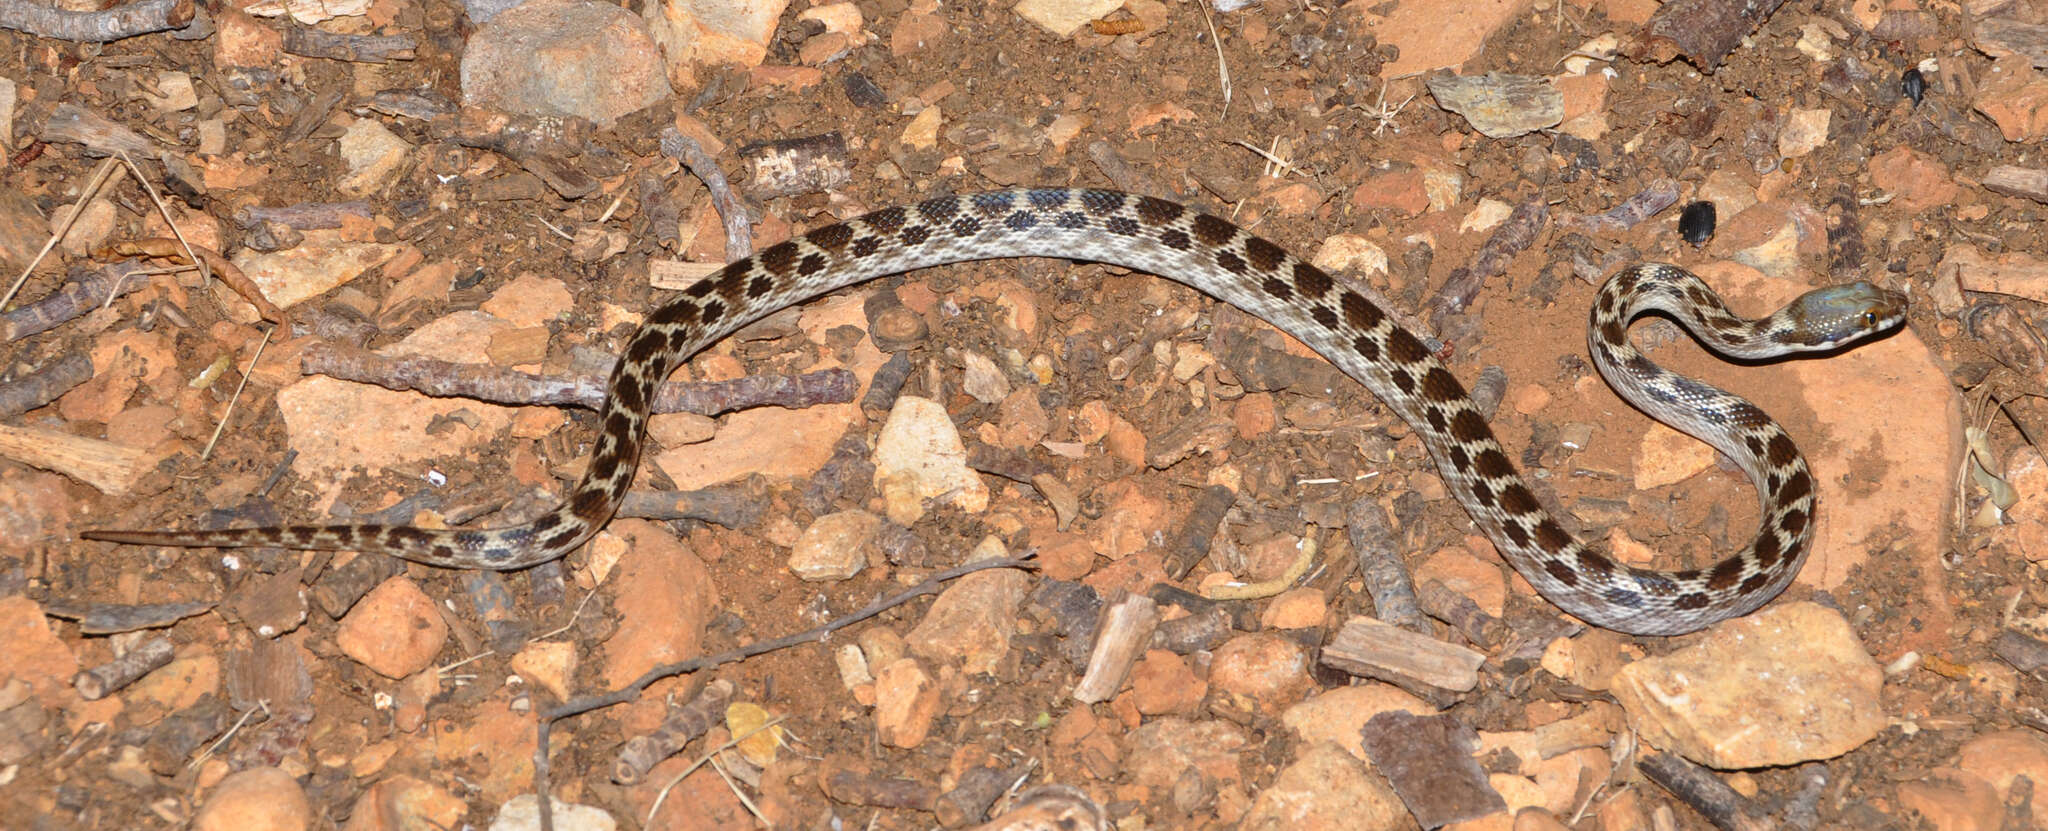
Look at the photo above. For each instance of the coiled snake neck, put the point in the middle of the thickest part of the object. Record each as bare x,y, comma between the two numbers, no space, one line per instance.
1222,260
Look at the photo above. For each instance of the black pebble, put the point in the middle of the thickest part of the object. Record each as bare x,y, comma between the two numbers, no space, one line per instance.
1696,222
1914,85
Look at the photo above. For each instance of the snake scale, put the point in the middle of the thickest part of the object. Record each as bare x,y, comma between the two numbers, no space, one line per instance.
1216,257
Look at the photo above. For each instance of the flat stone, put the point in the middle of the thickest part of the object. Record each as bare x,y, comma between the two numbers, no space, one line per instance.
1702,703
919,457
564,58
256,799
395,630
1326,788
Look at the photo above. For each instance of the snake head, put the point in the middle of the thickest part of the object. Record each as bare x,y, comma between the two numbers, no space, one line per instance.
1830,317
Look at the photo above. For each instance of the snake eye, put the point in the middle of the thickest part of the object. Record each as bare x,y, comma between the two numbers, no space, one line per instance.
1869,318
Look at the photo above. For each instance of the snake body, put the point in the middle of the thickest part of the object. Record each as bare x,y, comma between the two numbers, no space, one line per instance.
1220,259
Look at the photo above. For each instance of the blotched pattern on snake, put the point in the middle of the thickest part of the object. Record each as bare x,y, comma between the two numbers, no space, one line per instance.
1218,258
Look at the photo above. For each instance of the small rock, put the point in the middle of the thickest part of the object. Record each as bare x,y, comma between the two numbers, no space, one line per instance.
564,58
270,604
1064,17
257,799
1350,253
1919,181
776,442
1302,608
1326,788
522,813
551,664
2004,756
1461,571
1952,800
1163,683
707,33
1260,671
973,619
1588,660
836,546
983,379
400,803
906,701
321,263
1338,714
665,600
2015,97
1167,748
395,629
919,457
530,300
94,225
1701,701
373,155
1803,132
1667,456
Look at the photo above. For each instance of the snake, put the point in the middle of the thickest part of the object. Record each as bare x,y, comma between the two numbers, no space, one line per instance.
1217,257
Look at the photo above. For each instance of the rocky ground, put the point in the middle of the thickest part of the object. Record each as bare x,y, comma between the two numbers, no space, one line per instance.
483,203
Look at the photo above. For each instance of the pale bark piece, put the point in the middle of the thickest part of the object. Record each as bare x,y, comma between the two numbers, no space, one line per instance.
102,464
1377,649
1125,632
1701,31
1500,105
2012,180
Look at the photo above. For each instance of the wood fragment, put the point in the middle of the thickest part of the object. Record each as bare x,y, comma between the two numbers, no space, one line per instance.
182,733
96,618
105,465
139,18
795,166
877,791
1999,37
543,145
86,291
2012,180
1511,237
1377,649
971,797
144,658
1190,634
73,124
317,43
340,587
305,216
733,505
1632,211
1699,788
1125,631
683,724
1703,32
2024,652
1386,578
1481,629
739,235
1197,532
504,386
45,384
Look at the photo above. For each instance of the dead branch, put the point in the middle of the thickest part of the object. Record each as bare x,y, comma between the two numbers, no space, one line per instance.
44,385
739,239
95,27
314,43
683,724
86,291
503,386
